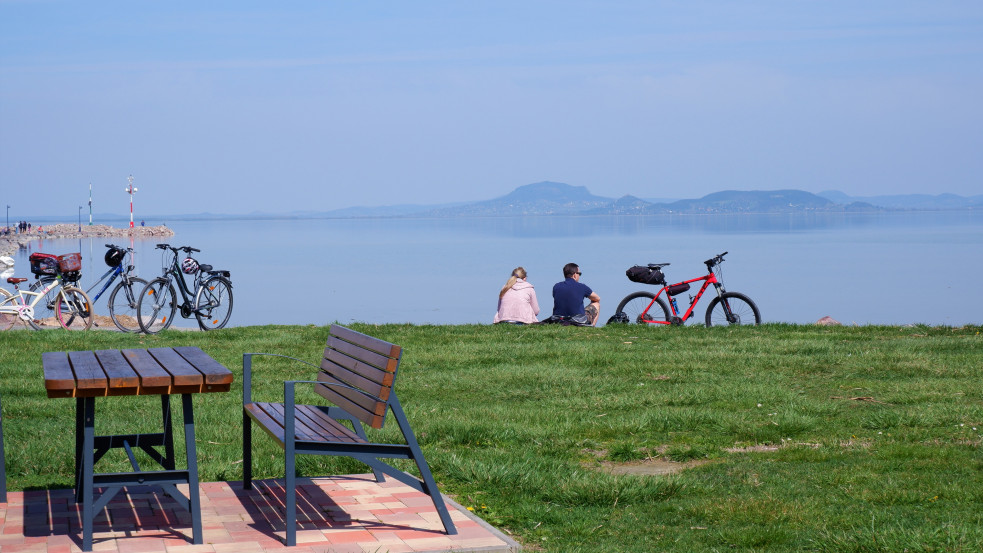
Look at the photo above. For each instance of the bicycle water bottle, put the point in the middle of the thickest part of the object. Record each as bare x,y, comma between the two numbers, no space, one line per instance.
675,308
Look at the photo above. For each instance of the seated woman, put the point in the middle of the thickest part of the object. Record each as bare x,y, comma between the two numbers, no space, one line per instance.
517,301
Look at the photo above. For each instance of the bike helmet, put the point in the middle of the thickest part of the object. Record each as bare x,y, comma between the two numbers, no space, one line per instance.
189,266
114,257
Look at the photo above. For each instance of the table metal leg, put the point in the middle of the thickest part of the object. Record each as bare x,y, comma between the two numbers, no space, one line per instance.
88,453
193,490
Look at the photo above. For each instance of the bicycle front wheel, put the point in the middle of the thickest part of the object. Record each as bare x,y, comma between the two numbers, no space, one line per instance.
123,304
73,308
156,306
641,308
213,305
8,305
732,308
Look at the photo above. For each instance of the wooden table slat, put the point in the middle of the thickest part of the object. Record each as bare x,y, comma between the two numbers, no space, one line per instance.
183,374
151,374
88,372
119,372
59,380
214,372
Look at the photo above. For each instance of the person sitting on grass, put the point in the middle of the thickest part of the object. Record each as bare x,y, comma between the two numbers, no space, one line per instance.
569,294
517,301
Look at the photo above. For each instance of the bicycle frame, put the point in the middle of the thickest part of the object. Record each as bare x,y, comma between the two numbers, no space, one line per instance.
25,310
115,271
676,319
174,273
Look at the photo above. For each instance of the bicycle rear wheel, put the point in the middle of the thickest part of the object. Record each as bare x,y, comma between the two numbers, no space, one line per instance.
73,308
732,308
7,301
123,304
213,305
44,310
636,306
156,306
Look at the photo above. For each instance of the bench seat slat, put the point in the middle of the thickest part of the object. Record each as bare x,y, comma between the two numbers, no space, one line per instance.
310,425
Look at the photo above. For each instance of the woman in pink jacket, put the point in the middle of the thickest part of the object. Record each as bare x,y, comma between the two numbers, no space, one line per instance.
517,300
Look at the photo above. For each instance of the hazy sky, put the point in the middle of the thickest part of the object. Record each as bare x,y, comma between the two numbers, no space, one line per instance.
238,106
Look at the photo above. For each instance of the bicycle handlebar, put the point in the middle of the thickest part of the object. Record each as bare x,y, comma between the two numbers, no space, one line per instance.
187,249
714,260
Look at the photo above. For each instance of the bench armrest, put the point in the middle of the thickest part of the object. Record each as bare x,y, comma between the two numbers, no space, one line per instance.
247,372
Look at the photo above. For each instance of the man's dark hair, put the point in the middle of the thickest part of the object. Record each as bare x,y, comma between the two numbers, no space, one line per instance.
570,269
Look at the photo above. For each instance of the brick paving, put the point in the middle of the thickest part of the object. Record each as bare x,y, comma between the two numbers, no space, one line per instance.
342,514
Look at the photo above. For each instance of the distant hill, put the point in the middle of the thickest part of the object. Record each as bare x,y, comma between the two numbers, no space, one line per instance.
919,202
541,198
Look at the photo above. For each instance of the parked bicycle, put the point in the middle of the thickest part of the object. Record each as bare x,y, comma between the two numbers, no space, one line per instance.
72,307
123,299
209,299
728,308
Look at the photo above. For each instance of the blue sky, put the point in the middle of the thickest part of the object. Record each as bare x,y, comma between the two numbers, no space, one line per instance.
235,107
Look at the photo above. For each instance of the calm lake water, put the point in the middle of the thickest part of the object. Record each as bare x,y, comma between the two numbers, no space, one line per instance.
881,268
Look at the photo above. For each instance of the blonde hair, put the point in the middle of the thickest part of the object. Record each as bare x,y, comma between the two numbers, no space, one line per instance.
517,273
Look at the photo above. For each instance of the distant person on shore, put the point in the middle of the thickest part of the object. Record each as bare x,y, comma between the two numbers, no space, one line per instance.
569,295
517,301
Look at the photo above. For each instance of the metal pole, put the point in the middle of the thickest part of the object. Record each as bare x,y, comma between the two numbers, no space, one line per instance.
130,189
8,217
80,219
90,204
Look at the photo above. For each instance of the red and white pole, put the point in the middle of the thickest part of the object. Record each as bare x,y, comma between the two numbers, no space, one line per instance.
130,189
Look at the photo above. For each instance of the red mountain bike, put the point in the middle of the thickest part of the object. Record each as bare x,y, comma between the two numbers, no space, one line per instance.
728,308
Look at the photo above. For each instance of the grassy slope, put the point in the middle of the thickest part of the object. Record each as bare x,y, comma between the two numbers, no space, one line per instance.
875,432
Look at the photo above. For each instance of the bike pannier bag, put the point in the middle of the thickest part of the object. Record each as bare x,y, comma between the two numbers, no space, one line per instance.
70,262
645,275
677,288
44,264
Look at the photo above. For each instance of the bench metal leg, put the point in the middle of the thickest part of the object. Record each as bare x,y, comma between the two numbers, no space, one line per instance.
247,451
429,485
290,466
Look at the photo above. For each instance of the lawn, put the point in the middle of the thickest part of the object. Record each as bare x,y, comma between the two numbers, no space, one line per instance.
784,437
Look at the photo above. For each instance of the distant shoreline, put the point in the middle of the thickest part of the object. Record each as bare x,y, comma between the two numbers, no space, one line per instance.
10,244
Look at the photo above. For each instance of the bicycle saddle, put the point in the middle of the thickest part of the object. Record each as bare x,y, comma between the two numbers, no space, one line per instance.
658,265
16,280
205,268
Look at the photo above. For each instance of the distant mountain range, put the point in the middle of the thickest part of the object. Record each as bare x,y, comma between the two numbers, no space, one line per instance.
556,198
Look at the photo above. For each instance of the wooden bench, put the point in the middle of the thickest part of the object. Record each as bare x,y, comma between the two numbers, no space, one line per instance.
356,375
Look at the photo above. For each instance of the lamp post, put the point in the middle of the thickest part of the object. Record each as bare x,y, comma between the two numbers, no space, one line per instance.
90,204
8,217
130,189
80,219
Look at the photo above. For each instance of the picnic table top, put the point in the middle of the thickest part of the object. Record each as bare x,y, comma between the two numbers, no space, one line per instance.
153,371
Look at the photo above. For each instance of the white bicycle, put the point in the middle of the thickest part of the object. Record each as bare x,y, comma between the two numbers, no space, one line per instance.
72,308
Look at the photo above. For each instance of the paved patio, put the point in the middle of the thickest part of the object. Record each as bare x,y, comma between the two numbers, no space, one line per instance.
342,514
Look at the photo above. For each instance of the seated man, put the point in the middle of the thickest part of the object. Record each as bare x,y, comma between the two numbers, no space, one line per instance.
568,296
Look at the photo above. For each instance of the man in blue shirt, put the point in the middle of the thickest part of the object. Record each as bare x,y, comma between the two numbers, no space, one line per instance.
568,296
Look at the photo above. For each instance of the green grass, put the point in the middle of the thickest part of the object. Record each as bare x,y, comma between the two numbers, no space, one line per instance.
831,439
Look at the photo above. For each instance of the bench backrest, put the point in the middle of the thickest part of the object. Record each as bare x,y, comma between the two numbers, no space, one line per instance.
366,364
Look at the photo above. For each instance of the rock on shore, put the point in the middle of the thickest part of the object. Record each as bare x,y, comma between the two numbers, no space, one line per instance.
11,243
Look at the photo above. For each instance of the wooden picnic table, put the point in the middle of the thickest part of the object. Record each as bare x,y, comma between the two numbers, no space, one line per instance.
86,375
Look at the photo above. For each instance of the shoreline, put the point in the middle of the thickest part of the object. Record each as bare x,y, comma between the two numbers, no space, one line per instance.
9,244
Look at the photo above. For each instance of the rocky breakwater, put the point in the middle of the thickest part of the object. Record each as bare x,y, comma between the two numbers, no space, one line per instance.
9,244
